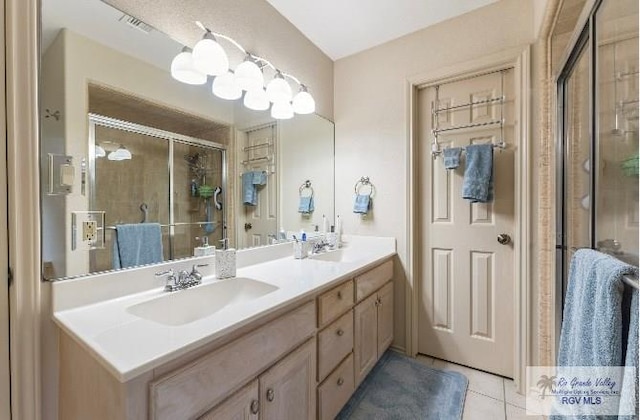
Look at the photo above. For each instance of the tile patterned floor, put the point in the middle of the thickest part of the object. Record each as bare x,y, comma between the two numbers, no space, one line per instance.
489,397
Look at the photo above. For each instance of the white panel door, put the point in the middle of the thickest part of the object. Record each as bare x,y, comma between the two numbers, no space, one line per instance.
259,154
467,278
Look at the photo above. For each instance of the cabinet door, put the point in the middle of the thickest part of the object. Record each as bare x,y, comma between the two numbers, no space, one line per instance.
366,337
385,318
243,405
288,389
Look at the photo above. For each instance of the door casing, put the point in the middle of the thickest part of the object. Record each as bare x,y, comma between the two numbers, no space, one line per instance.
519,59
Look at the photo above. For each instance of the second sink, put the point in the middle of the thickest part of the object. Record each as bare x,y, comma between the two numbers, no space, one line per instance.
182,307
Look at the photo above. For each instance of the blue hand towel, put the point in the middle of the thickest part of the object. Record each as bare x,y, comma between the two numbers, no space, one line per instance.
249,193
629,395
451,156
249,190
591,333
362,204
137,244
306,205
477,185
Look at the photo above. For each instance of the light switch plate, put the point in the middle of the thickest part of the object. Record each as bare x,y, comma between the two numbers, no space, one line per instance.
87,230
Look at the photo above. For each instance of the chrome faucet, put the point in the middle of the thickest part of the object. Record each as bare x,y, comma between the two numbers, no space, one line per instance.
183,280
319,246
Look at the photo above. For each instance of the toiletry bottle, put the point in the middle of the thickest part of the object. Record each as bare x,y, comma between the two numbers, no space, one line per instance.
204,249
325,225
338,231
225,261
331,238
303,235
283,234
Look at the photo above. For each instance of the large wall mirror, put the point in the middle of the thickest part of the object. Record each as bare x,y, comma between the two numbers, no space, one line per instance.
128,150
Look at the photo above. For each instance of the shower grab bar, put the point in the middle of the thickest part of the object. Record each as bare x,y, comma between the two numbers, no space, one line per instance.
171,225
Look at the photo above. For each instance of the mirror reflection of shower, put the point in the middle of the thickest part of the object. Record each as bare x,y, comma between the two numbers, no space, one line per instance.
170,179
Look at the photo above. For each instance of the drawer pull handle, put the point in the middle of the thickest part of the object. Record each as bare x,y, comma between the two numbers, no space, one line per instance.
340,381
339,294
340,332
270,394
255,406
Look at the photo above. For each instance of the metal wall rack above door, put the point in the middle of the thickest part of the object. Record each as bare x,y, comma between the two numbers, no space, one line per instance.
436,109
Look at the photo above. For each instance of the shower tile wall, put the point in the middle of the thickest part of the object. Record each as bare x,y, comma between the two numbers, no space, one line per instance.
121,187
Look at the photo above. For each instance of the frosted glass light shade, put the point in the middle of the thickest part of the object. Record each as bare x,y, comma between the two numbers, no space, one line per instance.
120,154
183,69
303,103
209,57
225,87
100,152
278,90
249,76
282,111
256,99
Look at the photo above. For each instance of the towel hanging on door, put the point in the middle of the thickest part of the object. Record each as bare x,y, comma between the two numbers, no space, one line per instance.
477,185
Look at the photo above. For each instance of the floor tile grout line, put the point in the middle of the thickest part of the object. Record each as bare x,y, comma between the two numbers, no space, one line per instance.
504,402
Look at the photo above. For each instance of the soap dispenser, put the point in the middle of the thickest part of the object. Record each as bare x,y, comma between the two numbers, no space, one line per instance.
204,249
225,261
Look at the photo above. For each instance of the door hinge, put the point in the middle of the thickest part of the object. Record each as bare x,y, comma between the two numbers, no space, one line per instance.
10,277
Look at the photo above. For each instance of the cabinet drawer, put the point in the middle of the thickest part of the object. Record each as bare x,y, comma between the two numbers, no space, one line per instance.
334,343
336,390
373,279
334,302
189,391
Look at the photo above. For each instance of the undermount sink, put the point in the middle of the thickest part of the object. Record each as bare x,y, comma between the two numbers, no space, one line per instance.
338,255
184,306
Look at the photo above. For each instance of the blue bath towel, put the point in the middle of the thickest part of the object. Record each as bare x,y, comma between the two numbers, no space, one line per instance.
477,185
250,181
629,395
137,244
451,156
306,205
362,204
592,323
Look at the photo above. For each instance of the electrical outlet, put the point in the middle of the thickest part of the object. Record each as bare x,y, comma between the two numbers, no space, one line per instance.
89,230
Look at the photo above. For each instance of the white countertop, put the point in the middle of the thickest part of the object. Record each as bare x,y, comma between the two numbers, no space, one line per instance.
128,345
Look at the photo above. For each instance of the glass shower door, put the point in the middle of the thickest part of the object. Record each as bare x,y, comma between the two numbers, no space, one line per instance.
617,218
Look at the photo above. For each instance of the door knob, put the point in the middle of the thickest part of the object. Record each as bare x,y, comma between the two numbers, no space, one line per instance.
504,239
247,226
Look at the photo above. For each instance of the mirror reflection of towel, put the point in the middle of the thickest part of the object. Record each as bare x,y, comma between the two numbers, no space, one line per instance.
362,204
137,244
306,205
250,181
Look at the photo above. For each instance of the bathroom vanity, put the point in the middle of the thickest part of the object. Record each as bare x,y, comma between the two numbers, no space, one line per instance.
284,339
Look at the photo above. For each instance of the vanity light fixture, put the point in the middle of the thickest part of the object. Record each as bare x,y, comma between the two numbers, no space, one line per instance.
183,69
121,153
303,102
248,75
282,110
256,99
100,152
278,89
209,58
225,87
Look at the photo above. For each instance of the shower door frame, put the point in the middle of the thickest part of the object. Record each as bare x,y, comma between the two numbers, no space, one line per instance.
171,138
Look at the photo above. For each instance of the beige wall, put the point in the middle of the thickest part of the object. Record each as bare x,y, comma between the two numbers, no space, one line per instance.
372,118
256,25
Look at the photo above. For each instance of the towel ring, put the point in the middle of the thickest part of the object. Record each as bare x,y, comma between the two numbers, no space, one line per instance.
364,182
306,185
